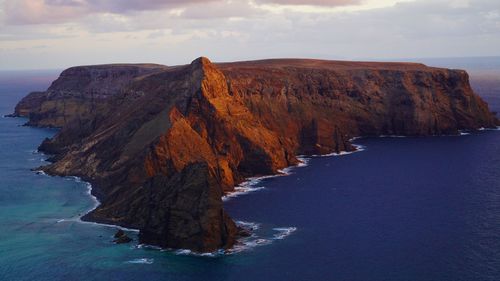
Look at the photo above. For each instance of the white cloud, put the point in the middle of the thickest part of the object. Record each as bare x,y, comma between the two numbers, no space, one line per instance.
227,30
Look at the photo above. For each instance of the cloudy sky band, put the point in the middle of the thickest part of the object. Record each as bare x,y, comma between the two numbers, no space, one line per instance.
61,33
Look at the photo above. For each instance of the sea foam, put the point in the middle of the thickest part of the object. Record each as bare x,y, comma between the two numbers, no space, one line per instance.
243,244
249,243
40,172
141,261
96,204
283,232
490,129
392,136
303,161
358,147
250,185
248,225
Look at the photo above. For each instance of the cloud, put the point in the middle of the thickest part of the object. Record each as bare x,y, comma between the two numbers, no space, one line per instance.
222,9
40,11
329,3
226,30
26,12
124,6
60,11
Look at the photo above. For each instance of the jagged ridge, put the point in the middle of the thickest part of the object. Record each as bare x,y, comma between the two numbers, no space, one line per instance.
164,144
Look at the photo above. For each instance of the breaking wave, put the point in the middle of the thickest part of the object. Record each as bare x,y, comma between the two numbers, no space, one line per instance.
255,240
250,185
358,148
283,232
243,244
96,203
141,261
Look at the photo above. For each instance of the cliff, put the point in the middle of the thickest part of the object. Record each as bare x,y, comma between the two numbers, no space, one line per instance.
79,91
162,144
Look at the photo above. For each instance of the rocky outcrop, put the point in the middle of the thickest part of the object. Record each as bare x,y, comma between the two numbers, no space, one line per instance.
79,91
185,211
162,147
121,237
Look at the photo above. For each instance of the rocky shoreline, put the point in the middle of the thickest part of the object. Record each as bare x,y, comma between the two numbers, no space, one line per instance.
161,145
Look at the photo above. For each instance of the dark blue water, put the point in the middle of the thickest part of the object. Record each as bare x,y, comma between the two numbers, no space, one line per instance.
403,209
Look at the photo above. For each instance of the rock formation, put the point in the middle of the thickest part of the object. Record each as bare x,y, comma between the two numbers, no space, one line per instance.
121,237
79,91
161,144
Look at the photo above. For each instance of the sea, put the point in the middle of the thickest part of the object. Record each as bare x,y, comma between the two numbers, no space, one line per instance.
405,209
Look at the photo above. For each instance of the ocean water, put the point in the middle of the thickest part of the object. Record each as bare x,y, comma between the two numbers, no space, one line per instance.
401,209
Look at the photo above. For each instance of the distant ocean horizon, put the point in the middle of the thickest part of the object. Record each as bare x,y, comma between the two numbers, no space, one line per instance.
468,63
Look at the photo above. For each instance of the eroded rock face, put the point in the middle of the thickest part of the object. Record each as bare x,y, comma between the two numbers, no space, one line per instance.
79,91
162,148
185,211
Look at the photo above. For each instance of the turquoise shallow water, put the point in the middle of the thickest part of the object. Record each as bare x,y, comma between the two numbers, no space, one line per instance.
403,209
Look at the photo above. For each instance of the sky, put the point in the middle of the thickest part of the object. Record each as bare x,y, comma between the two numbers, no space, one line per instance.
55,34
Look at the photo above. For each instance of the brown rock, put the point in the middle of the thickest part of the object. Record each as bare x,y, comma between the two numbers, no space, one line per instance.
243,232
161,148
80,91
121,237
185,211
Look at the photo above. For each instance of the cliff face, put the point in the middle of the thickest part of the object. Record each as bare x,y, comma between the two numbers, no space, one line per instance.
163,145
79,91
322,101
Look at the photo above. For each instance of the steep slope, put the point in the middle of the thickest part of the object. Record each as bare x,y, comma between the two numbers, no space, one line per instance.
333,99
162,148
79,91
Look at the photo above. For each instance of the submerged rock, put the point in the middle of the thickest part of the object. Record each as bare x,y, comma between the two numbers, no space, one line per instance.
121,237
244,232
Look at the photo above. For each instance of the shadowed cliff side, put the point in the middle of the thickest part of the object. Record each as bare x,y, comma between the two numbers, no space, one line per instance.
162,147
79,91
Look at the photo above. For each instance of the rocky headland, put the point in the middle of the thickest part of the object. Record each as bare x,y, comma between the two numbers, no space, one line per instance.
161,145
